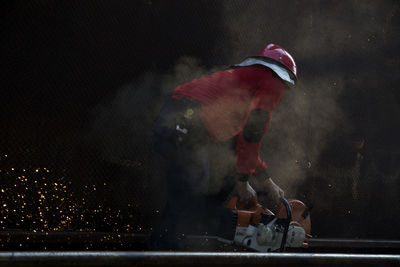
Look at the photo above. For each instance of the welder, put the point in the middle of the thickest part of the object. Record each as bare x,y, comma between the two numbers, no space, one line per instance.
208,136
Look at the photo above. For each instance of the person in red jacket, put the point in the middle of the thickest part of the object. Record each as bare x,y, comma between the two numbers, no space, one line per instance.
208,136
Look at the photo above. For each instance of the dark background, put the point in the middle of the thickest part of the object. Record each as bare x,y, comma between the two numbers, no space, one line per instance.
82,83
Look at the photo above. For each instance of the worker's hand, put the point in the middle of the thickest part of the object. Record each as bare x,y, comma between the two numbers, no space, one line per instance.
245,192
273,191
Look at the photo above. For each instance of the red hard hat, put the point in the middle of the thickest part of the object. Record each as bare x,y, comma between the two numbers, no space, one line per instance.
280,55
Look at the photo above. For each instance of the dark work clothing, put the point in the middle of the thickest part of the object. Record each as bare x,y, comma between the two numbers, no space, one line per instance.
184,156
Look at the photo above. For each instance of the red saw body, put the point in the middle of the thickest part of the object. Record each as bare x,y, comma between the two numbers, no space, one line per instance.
260,229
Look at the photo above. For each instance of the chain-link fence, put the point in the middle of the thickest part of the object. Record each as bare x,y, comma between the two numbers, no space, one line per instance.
83,84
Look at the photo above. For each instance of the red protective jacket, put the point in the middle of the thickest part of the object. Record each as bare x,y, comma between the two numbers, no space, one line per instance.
227,98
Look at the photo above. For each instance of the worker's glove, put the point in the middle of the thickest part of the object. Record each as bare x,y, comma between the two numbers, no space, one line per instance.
272,192
245,191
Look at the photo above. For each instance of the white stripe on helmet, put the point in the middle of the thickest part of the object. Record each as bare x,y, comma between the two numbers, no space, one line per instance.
279,70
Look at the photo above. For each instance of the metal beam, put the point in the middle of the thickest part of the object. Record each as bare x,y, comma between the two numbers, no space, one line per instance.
109,258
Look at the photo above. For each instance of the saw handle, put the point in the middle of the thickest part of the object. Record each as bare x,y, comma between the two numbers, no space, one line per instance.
288,219
248,213
235,204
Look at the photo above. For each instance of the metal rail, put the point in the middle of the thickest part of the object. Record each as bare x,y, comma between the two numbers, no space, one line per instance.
336,242
106,258
353,243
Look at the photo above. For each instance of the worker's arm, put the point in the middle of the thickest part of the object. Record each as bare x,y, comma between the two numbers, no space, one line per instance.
249,161
248,144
